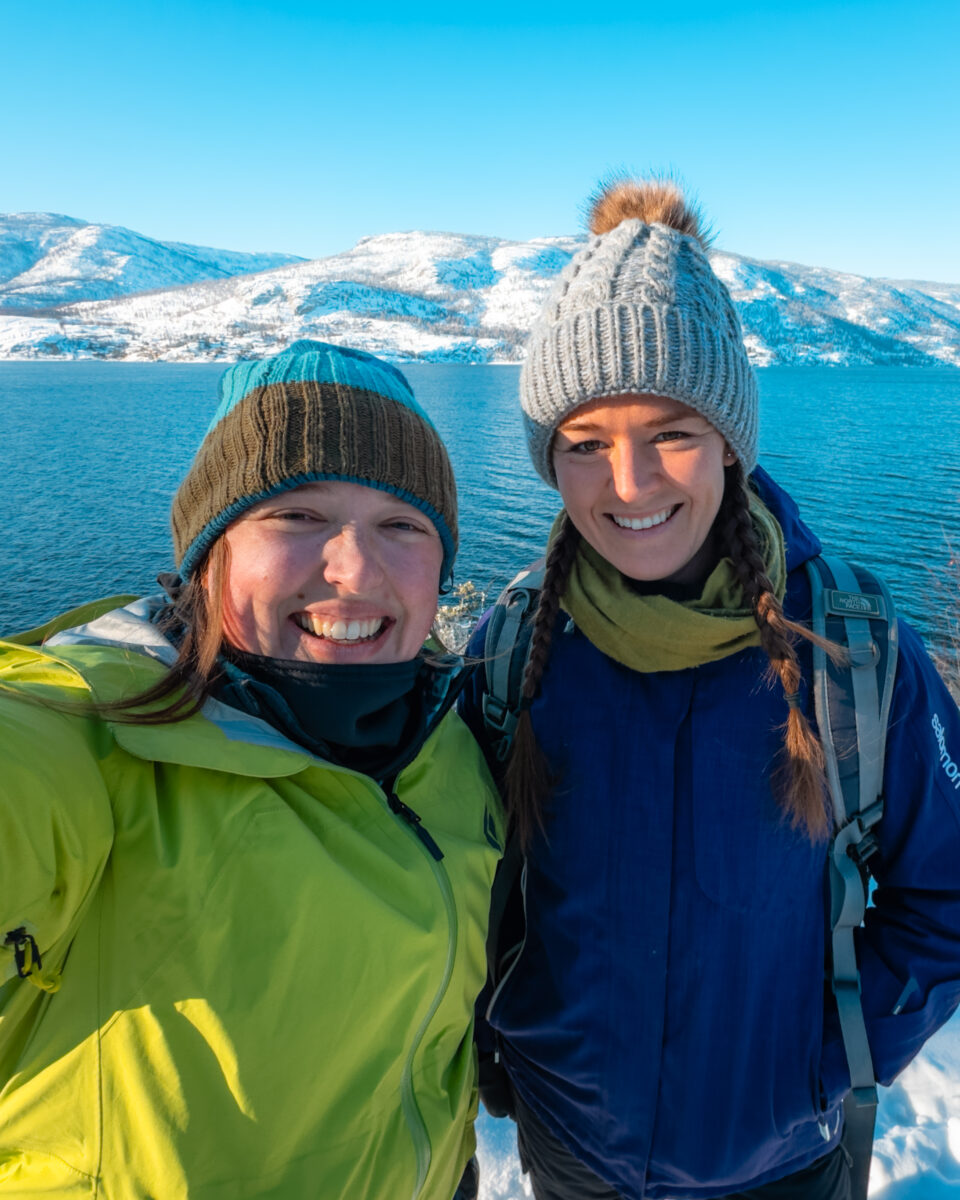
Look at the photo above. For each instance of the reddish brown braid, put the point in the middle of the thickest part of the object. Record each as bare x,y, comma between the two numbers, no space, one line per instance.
528,779
801,778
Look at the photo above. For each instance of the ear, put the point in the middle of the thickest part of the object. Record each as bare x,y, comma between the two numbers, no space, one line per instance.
729,458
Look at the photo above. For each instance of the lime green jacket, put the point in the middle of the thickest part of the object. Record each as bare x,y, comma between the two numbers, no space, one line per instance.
255,979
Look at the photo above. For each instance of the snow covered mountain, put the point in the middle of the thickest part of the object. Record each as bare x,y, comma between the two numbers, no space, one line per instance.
47,260
427,296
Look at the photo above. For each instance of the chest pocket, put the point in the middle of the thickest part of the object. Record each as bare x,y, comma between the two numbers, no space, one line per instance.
747,857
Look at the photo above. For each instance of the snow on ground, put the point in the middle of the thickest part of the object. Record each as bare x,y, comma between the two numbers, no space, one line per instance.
917,1151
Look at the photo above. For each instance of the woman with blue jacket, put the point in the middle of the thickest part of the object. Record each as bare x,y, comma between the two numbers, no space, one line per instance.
665,1024
245,845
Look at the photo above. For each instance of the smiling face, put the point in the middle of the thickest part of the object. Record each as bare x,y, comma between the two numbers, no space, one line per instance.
331,572
642,478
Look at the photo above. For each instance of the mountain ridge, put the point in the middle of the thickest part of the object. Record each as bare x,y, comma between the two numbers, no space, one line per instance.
88,291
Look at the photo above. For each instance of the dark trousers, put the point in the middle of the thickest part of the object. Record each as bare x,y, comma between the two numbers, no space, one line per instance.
469,1188
557,1175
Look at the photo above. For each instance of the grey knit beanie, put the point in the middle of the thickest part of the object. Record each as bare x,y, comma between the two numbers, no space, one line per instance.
639,309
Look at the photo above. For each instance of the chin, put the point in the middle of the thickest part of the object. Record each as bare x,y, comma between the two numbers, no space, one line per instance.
329,652
650,572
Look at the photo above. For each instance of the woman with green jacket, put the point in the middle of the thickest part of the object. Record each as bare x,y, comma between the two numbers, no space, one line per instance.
246,847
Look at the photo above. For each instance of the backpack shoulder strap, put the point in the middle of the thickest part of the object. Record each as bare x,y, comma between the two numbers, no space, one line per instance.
505,650
853,608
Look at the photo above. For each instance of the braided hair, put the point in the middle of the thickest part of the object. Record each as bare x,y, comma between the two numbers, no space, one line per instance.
799,780
528,780
800,775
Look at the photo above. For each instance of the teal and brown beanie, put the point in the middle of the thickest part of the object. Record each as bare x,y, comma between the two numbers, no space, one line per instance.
639,309
314,412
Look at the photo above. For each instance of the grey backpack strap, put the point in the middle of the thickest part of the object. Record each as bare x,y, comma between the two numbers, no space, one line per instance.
854,609
505,650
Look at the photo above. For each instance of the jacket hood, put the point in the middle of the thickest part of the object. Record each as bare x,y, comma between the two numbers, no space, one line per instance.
129,628
119,652
800,541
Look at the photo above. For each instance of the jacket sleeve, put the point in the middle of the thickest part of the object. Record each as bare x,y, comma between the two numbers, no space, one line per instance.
494,1082
56,824
909,947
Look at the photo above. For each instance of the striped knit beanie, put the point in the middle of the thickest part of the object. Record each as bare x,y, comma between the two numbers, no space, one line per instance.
315,412
639,309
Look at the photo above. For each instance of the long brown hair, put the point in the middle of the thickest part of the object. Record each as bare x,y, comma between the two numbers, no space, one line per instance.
197,611
799,780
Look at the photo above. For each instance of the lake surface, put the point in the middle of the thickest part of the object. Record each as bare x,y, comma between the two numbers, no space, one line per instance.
91,454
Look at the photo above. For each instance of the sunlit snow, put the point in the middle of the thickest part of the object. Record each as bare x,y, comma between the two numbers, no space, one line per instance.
72,290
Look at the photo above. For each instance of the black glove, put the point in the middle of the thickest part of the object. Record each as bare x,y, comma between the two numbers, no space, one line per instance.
495,1090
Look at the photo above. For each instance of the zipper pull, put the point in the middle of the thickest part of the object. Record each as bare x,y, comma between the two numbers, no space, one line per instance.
26,955
414,821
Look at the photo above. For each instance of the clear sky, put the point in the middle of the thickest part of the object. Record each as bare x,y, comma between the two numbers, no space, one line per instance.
821,133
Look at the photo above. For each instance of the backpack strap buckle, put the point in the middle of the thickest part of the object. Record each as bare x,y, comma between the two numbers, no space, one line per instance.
863,845
501,721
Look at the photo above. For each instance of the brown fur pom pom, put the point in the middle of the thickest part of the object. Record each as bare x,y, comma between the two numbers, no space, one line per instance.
648,200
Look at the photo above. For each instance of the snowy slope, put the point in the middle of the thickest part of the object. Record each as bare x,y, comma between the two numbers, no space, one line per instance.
916,1153
793,314
47,260
430,296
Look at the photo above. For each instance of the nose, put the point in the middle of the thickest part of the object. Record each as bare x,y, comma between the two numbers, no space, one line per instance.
350,560
634,469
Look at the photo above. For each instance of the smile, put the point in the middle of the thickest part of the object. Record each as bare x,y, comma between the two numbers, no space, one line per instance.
338,630
644,522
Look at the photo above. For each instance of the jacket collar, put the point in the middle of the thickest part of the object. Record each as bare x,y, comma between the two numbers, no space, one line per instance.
122,652
800,542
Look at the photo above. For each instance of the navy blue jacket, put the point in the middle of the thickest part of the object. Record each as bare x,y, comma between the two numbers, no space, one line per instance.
667,1017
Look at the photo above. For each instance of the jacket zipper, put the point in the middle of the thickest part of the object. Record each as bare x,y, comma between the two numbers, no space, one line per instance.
415,821
411,1112
408,1100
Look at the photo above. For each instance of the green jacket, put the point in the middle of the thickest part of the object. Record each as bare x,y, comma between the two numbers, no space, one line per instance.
266,980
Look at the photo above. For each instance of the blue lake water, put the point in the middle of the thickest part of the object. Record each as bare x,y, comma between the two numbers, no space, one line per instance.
91,454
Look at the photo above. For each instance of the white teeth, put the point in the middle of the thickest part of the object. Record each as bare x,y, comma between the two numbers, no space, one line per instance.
339,630
643,522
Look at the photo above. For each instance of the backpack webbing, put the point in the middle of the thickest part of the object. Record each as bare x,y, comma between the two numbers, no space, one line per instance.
505,649
854,609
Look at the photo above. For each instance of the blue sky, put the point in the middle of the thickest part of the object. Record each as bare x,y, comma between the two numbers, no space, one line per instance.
819,133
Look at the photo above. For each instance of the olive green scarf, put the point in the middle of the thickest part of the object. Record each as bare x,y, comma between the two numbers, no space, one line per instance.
653,633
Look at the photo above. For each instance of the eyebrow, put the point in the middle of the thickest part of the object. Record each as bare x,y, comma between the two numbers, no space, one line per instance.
586,425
